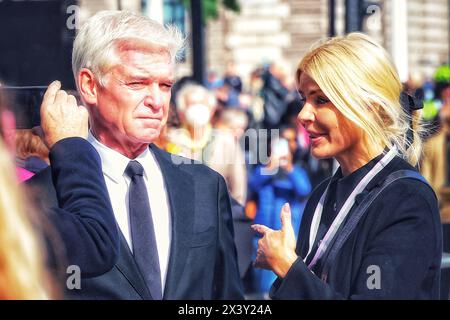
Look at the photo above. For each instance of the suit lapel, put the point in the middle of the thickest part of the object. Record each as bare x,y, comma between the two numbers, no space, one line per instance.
180,189
128,267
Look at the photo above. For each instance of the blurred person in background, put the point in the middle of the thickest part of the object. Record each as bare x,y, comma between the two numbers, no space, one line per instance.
195,107
256,107
225,154
372,231
31,151
232,79
281,181
274,92
213,81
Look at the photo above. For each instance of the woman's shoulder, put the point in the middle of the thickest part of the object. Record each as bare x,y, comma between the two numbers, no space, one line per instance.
408,184
406,199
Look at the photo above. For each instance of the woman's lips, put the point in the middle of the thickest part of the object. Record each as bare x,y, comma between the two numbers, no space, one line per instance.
316,137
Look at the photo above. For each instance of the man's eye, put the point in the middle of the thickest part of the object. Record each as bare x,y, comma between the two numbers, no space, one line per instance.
136,84
166,86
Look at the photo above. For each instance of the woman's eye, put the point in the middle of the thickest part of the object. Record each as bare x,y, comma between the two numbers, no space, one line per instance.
322,100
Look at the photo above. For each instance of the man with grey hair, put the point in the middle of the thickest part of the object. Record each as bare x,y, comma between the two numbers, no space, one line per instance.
174,218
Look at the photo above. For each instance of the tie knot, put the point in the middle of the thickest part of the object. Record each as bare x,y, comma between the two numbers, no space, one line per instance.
134,168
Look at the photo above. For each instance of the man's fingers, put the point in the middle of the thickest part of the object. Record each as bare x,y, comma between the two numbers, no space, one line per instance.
61,97
260,262
286,223
261,229
50,94
72,100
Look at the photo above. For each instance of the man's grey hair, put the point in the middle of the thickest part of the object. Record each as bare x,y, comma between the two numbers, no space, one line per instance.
96,43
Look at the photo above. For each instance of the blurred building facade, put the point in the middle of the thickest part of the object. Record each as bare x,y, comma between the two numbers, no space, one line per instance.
282,30
415,32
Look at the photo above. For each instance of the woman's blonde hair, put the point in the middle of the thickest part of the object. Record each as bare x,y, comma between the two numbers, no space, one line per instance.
359,78
22,271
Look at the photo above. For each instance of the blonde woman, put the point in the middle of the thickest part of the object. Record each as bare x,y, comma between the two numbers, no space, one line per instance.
372,231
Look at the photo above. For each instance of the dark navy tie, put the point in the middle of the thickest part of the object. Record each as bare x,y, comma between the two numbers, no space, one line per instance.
145,250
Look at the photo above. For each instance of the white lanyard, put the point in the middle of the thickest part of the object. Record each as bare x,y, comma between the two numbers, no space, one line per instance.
344,210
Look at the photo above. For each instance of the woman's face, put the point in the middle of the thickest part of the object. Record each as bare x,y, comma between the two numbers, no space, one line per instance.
332,135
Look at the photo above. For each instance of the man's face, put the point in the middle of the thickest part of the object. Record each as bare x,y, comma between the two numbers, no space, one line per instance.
132,106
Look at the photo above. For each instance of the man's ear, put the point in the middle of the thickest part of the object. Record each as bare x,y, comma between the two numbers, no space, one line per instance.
88,86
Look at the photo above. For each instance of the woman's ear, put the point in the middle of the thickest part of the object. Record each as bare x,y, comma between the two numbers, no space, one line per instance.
87,86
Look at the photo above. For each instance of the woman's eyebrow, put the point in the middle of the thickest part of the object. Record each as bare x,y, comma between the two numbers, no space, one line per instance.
314,91
311,92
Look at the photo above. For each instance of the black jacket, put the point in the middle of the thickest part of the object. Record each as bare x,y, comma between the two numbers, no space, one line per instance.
400,234
80,211
202,263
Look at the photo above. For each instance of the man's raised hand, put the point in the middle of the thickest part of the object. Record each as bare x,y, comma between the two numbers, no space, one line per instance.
61,117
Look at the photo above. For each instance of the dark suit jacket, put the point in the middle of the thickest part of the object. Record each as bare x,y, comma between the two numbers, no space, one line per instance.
81,211
202,263
400,233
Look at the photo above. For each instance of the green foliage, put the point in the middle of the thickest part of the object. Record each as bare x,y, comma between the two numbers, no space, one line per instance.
211,8
442,74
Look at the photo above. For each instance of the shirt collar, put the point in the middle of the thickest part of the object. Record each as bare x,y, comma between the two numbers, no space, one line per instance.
115,163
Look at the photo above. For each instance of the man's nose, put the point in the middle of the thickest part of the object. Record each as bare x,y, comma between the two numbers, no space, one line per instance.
153,98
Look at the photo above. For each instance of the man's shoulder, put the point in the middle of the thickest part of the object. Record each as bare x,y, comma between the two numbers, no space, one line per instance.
193,167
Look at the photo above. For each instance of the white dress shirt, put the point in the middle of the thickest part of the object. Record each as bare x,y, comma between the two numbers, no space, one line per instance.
117,182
